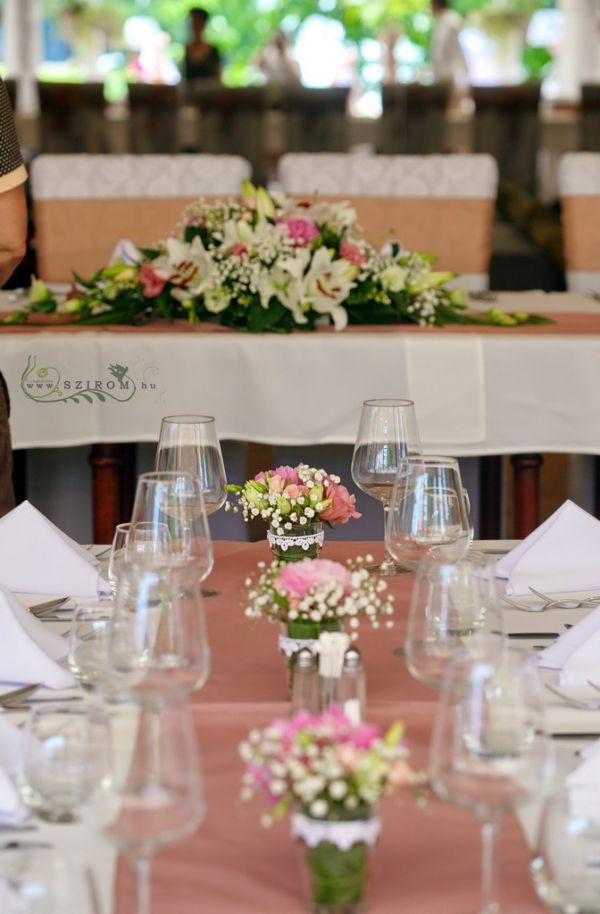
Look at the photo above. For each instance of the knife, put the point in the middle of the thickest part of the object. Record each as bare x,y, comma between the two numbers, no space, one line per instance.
533,635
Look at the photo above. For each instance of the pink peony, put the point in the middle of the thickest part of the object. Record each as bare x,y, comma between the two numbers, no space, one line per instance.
301,231
353,253
153,283
342,507
297,578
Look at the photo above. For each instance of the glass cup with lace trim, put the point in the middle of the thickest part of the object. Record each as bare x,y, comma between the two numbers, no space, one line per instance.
300,542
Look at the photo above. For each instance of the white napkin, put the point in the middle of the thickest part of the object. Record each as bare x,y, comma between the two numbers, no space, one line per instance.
28,649
583,787
576,653
561,556
125,251
37,557
12,741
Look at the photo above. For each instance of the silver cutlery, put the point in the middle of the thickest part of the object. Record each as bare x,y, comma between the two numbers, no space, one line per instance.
9,827
552,602
17,695
521,606
574,702
40,609
533,634
23,845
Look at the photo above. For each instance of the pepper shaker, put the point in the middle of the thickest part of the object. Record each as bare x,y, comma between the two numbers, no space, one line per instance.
305,682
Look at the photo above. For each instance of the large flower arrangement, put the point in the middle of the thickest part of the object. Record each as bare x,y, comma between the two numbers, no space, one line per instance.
324,765
316,591
294,496
264,262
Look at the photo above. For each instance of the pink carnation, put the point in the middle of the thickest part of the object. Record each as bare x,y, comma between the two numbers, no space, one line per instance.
301,231
297,578
353,253
342,507
153,283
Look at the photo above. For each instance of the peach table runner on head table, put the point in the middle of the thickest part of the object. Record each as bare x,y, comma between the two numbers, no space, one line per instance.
427,859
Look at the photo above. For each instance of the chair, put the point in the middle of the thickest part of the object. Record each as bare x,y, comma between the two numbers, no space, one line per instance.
579,188
72,118
153,111
441,204
84,204
231,122
590,117
314,120
11,88
507,127
413,119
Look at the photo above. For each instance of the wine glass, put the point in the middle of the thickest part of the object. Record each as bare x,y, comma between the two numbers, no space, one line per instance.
428,512
65,760
157,633
453,605
387,436
154,797
175,500
565,868
142,542
489,751
40,880
190,444
88,645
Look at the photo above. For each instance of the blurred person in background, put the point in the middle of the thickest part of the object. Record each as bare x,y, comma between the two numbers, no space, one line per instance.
276,62
13,237
447,57
202,60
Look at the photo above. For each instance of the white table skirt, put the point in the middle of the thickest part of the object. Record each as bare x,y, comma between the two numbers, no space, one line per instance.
475,393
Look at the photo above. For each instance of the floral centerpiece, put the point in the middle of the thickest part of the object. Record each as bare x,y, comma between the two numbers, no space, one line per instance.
317,595
295,502
263,262
331,775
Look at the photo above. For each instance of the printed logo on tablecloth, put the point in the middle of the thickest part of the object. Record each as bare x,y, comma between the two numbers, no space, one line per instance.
47,384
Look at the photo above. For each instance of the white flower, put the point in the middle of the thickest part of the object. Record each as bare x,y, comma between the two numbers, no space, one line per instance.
338,789
217,299
393,278
319,808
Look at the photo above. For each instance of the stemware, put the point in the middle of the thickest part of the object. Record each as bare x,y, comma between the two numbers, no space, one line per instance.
387,437
565,868
428,513
39,880
88,645
190,444
157,633
453,605
489,750
155,797
142,542
65,760
174,500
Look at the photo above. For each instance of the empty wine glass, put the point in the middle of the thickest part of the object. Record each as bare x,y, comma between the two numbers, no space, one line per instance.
566,865
157,633
489,751
190,444
88,644
142,542
387,437
428,512
65,760
174,500
453,605
154,797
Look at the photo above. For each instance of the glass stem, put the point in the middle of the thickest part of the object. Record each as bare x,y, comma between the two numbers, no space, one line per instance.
489,869
387,558
143,886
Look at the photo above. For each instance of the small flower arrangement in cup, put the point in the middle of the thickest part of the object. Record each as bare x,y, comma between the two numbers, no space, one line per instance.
316,595
332,774
295,501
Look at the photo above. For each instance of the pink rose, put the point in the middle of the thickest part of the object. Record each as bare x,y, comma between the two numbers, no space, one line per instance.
239,249
301,231
276,484
297,578
287,473
153,283
342,507
353,253
293,491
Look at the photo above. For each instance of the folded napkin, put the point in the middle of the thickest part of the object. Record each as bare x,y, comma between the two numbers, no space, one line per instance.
561,556
576,653
28,649
37,557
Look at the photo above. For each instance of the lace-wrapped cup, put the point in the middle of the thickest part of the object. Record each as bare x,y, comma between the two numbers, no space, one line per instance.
301,542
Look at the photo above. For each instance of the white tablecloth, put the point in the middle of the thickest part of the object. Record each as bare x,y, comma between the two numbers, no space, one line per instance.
475,393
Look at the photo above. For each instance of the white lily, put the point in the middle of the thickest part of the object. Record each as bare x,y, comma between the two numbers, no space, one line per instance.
185,264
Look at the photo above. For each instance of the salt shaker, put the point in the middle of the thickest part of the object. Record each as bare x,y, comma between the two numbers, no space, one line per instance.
352,686
305,682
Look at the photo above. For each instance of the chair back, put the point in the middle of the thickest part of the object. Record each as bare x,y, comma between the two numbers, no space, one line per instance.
231,121
413,119
590,117
507,127
153,118
314,120
83,205
72,118
579,188
443,205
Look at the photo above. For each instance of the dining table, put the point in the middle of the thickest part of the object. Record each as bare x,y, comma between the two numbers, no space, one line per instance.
428,856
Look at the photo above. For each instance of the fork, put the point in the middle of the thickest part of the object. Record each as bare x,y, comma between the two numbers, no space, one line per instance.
17,695
565,604
521,606
40,609
574,702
